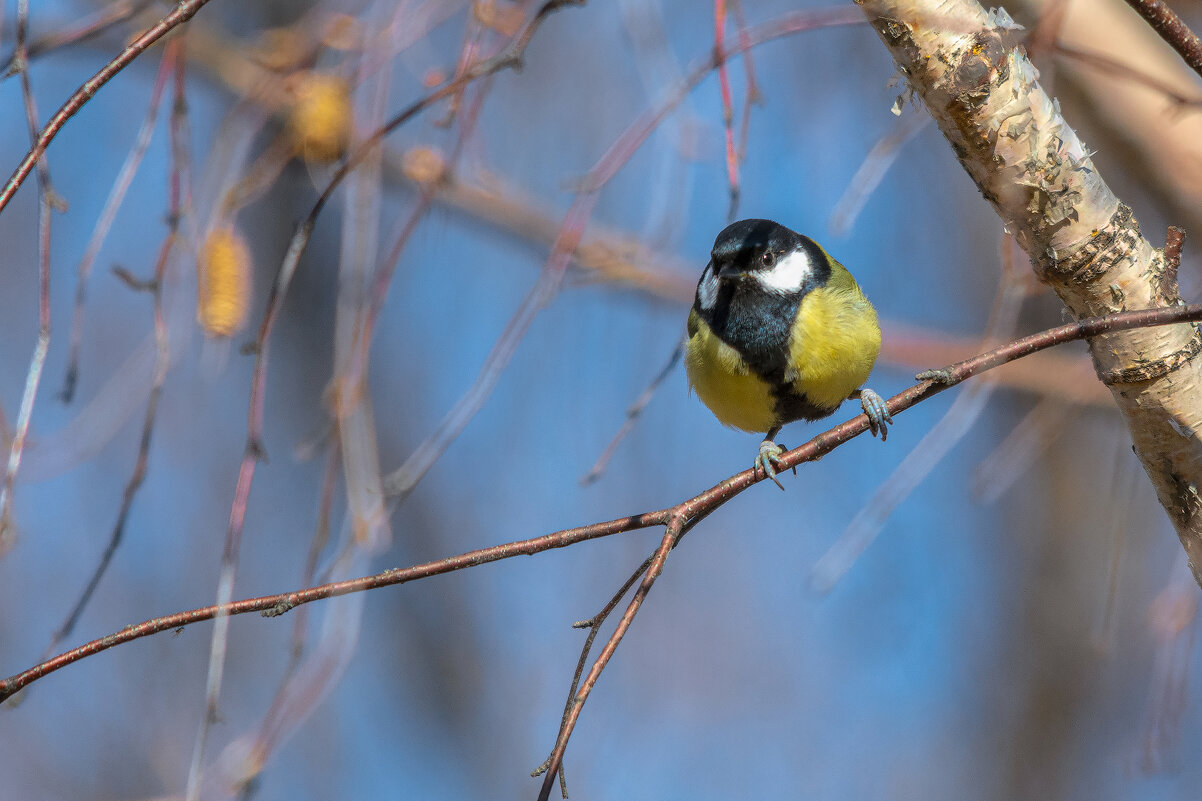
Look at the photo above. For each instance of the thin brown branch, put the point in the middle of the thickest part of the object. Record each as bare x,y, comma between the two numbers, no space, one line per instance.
593,624
46,200
632,415
274,605
104,224
86,28
691,510
510,58
20,66
1172,29
183,11
728,113
672,533
172,54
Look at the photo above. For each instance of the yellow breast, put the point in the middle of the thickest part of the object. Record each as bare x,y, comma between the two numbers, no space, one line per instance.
835,341
736,396
833,344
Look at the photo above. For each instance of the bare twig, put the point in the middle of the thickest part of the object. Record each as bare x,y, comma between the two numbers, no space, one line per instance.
752,89
593,624
116,196
632,416
33,378
1172,29
162,361
672,533
728,113
92,25
510,58
183,11
692,509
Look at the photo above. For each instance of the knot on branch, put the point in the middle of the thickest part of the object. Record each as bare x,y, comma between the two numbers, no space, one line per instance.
284,606
982,61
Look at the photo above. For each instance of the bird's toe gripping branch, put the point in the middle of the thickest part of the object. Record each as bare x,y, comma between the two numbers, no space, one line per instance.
876,411
769,459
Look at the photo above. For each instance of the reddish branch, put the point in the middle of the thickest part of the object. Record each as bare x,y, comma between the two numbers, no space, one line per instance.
104,224
1172,29
85,28
47,199
184,11
254,451
675,528
173,61
728,114
273,605
690,510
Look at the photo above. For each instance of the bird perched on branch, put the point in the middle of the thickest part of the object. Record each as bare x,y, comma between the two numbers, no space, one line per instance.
780,331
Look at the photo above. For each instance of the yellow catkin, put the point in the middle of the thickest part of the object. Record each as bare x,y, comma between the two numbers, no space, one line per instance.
223,296
320,120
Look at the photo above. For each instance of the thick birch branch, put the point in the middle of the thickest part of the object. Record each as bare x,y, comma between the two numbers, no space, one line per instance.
983,92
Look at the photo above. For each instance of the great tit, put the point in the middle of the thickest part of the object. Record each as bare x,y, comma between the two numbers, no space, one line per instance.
780,331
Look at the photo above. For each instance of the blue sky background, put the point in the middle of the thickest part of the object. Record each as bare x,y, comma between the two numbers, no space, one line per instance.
967,654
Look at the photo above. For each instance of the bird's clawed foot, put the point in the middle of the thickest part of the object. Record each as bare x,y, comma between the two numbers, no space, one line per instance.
769,460
877,412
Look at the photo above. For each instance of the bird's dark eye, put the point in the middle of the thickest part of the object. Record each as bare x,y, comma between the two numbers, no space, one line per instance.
768,259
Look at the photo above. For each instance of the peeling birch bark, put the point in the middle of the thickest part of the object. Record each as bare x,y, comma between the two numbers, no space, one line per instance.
977,82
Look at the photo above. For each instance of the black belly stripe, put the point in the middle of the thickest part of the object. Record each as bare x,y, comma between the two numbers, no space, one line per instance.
759,326
791,405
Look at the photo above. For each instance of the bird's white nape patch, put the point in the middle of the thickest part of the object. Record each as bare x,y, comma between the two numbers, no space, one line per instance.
788,274
707,288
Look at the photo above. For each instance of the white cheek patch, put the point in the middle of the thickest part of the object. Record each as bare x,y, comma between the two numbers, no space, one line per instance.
788,275
707,289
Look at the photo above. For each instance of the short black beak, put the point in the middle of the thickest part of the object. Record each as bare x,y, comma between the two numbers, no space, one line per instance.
728,271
